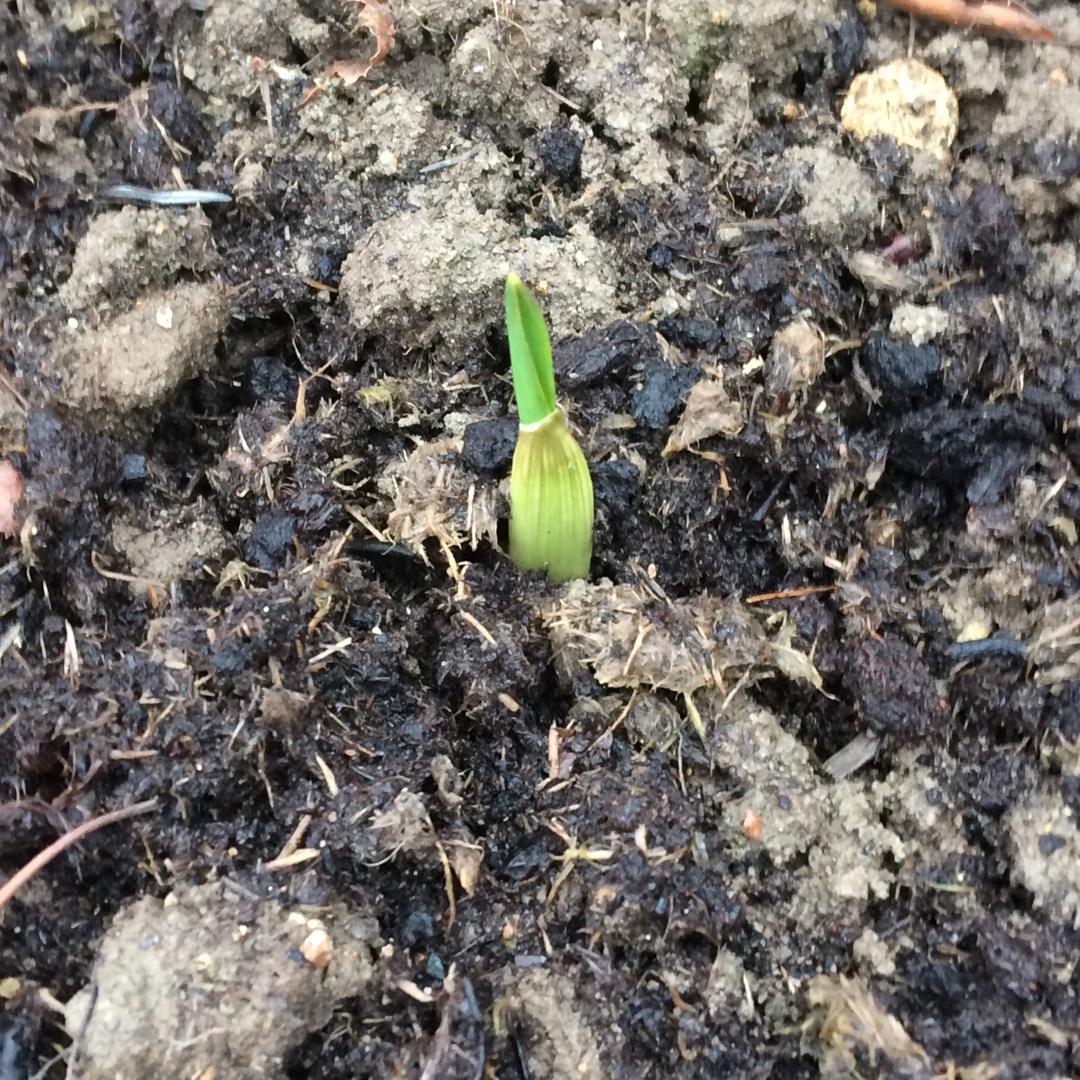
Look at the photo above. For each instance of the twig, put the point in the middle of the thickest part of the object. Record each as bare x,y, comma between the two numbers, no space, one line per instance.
41,860
1003,16
790,594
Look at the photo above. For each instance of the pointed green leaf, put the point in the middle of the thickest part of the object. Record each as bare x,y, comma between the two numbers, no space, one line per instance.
530,354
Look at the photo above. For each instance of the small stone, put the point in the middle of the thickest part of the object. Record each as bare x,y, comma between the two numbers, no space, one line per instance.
317,949
1050,843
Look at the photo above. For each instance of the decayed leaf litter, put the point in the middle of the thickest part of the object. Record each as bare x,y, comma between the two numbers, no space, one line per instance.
701,658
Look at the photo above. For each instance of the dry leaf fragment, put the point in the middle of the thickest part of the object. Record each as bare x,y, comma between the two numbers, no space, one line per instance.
466,858
709,411
375,15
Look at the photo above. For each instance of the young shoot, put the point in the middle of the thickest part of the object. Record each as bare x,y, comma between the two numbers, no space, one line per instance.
551,495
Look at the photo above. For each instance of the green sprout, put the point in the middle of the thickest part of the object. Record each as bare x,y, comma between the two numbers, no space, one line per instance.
551,495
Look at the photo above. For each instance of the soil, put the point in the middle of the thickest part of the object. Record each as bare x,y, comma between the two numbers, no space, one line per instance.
788,788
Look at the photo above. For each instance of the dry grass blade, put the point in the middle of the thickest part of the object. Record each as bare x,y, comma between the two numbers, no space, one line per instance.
1004,16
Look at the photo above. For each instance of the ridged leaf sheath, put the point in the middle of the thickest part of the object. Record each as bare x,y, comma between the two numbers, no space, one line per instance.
551,496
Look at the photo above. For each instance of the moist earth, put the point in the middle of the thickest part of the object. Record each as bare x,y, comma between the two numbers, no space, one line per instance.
788,788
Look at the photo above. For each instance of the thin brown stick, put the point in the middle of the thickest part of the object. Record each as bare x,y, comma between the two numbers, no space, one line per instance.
790,594
41,860
1004,16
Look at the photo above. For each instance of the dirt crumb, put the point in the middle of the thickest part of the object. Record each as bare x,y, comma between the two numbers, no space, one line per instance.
419,18
161,550
919,323
1045,845
115,374
726,110
835,827
441,267
874,953
894,690
636,90
238,29
561,1045
397,130
206,981
840,203
127,251
758,36
907,102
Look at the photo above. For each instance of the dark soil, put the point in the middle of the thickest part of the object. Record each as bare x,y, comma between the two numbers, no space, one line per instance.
263,586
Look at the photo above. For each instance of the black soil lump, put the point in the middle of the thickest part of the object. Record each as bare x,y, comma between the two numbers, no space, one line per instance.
662,393
894,690
560,151
905,374
488,445
604,355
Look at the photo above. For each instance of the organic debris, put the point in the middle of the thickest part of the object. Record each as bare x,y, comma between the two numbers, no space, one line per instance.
709,411
375,15
796,361
853,1031
1055,647
435,498
628,637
